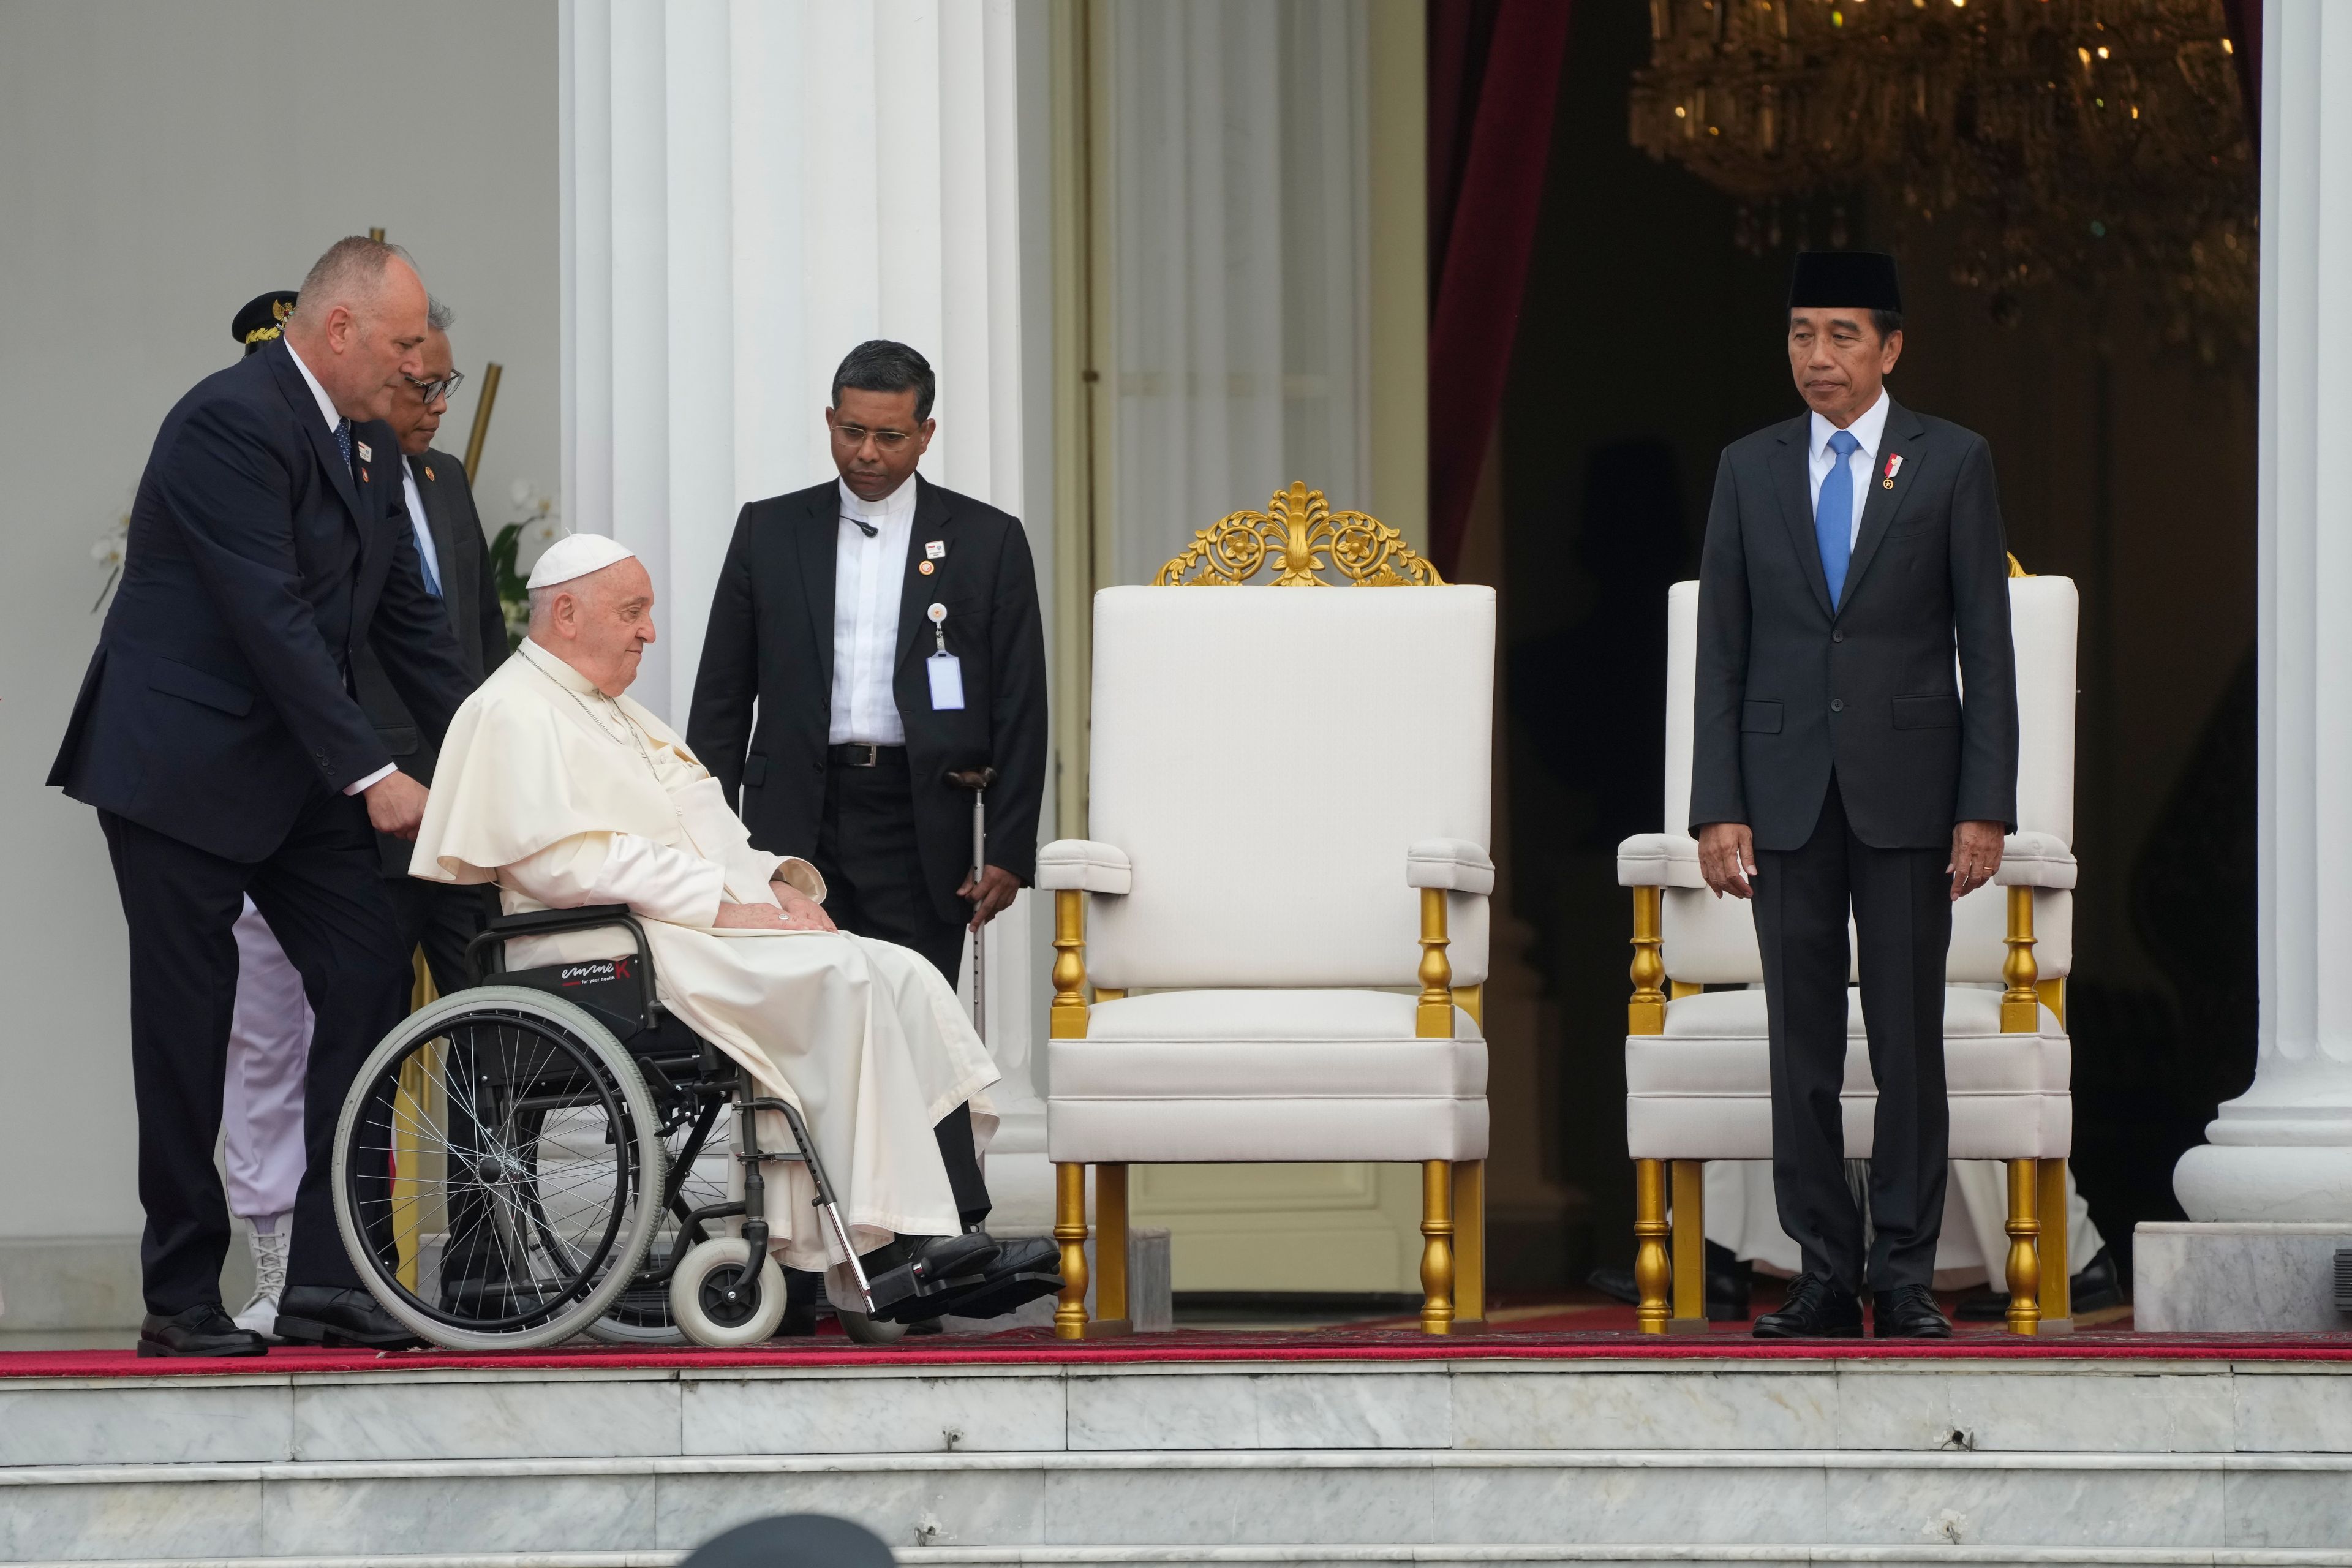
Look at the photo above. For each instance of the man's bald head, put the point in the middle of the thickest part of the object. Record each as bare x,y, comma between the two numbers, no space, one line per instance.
599,623
360,325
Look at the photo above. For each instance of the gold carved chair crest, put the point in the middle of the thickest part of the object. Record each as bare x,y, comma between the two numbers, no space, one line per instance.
1293,535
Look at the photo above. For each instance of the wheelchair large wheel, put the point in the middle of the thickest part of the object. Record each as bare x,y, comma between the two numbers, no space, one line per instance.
499,1170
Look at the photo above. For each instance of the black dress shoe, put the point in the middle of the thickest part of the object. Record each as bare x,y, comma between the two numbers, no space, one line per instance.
1908,1312
2097,1286
1025,1270
323,1315
204,1330
1818,1308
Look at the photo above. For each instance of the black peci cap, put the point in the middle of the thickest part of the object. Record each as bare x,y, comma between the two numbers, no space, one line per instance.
1865,280
263,318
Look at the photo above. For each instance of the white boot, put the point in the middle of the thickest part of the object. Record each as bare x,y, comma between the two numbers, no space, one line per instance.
260,1314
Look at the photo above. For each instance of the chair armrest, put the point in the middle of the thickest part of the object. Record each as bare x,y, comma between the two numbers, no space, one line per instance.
1085,865
2035,860
1659,861
1454,865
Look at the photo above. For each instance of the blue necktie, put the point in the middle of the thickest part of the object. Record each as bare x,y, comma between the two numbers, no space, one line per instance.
343,440
1833,514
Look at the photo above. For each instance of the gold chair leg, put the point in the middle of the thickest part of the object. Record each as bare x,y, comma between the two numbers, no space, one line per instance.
1070,1230
1437,1250
1470,1241
1689,1178
2024,1265
2057,1267
1649,1268
1111,1319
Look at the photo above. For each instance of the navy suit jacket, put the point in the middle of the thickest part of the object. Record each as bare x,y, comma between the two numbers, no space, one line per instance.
257,566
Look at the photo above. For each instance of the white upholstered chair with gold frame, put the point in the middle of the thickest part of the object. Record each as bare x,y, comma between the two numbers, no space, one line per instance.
1697,1087
1288,796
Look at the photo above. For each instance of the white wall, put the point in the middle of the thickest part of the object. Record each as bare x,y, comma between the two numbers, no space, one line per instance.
161,162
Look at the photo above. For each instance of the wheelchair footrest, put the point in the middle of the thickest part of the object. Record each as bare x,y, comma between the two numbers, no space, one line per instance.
1026,1271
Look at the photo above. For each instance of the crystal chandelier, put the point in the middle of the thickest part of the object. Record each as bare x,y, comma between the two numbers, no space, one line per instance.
2082,142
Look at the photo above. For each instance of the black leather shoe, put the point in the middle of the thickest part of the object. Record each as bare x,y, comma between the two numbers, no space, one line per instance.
1908,1312
2096,1286
1818,1308
204,1330
323,1315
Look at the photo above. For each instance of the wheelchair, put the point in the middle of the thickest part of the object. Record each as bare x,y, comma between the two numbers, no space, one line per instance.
540,1156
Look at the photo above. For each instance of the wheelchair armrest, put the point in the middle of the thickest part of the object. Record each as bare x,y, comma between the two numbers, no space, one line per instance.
541,922
487,954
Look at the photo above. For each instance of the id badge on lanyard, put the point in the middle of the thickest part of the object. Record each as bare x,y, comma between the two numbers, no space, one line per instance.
945,669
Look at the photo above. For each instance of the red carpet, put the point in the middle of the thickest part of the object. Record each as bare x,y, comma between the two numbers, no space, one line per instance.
1560,1331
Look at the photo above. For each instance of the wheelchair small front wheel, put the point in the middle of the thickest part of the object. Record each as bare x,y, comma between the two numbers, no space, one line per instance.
720,1300
868,1331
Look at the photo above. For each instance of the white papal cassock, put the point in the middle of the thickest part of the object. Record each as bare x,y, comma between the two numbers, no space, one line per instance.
564,796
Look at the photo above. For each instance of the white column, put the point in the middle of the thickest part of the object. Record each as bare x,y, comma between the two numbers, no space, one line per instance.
2282,1151
751,188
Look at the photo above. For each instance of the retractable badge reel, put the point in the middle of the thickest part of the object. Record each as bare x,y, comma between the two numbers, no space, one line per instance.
945,669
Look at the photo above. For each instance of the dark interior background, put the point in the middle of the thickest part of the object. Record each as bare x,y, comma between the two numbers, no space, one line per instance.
1648,341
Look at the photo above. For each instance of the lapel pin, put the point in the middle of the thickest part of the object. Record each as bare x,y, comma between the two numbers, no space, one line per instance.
934,549
365,456
428,470
1894,467
363,476
924,567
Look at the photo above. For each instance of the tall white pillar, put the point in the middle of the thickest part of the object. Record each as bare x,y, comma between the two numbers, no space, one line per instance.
751,188
2282,1151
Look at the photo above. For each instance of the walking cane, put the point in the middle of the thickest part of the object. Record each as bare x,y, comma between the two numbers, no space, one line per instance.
977,780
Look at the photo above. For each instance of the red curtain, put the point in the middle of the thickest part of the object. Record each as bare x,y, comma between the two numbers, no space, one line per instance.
1494,75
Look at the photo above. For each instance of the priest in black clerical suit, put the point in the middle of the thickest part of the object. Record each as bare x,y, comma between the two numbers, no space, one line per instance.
1854,750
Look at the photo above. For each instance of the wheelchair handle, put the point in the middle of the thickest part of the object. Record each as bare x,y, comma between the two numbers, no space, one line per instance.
487,954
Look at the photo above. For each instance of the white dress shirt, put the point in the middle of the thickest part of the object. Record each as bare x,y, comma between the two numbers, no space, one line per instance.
867,574
424,551
1862,462
326,411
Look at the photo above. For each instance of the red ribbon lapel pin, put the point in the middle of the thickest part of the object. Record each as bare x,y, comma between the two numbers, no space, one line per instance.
1894,467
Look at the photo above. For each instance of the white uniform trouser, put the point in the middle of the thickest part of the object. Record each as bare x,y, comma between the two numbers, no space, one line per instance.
268,1051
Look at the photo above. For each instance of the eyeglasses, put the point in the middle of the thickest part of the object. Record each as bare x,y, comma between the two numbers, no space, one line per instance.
432,392
855,434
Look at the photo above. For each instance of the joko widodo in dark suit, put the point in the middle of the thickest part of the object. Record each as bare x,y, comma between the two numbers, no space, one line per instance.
219,737
1855,752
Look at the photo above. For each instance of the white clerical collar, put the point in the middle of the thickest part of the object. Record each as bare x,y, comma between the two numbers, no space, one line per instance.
898,505
326,409
1866,430
564,675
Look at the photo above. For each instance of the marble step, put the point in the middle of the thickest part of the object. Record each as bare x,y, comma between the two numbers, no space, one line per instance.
1441,1556
2072,1405
1257,1505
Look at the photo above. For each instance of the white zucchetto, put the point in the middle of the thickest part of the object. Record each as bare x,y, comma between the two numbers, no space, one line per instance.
576,555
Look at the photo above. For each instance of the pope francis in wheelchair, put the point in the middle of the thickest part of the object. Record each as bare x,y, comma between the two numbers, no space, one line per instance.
543,1154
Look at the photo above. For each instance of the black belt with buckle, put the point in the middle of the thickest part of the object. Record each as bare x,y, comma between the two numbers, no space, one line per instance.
866,754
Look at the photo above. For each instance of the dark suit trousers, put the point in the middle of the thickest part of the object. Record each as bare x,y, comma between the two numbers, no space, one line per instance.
1901,903
442,919
321,891
873,872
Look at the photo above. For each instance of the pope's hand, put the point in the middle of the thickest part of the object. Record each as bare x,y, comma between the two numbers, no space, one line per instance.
802,912
749,917
396,805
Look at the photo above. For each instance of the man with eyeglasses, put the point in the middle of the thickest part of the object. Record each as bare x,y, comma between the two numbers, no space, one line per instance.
455,561
870,635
